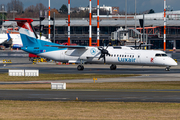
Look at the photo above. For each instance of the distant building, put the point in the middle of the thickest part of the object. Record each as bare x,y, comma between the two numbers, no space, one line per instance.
112,10
171,15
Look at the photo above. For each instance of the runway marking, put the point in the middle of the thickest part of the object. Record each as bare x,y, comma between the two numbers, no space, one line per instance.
56,98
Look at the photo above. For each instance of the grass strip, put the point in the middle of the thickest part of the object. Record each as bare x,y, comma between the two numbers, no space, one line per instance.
102,86
48,110
4,77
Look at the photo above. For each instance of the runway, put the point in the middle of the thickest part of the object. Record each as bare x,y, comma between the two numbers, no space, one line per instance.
89,69
92,95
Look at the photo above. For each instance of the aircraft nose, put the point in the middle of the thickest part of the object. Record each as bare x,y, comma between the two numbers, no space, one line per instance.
173,62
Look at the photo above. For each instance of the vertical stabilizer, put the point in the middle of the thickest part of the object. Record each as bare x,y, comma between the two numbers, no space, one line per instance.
9,37
28,35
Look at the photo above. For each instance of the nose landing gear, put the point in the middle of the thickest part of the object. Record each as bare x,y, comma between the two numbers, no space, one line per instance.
167,68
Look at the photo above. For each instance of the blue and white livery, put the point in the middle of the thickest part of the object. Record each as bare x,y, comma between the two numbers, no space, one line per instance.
84,54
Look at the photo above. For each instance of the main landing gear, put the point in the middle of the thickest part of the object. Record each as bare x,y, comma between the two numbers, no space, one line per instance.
80,67
113,67
167,68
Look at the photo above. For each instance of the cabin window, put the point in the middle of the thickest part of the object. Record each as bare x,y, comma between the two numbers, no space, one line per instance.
111,55
125,56
130,56
114,55
117,55
122,55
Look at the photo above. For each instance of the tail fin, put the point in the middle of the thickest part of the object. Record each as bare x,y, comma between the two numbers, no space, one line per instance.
28,35
9,37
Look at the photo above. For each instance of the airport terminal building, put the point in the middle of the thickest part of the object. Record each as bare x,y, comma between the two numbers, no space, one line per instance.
154,29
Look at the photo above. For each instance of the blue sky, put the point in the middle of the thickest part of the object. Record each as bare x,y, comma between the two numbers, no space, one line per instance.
142,5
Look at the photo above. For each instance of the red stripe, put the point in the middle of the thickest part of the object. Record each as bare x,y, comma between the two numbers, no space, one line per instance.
97,42
164,46
69,41
90,41
164,29
49,29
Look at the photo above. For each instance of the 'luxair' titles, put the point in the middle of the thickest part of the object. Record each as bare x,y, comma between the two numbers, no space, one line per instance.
126,59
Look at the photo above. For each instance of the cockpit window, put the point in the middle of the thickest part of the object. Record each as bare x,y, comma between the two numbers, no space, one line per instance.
160,55
164,55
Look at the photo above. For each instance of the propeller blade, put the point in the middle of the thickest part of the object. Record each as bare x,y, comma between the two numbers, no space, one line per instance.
100,57
107,46
104,59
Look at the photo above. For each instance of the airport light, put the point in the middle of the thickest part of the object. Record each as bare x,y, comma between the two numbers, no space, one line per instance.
125,14
53,19
41,26
49,27
135,14
13,13
90,27
69,29
164,25
2,14
97,22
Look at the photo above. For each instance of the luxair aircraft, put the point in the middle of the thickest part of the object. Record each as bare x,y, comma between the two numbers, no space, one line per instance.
121,55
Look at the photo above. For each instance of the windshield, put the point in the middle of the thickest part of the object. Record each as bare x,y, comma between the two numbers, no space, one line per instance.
160,55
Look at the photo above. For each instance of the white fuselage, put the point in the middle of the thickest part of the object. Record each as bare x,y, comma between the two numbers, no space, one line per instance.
3,38
16,39
117,56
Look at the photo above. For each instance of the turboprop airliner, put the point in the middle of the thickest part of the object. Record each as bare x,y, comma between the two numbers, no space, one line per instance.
120,55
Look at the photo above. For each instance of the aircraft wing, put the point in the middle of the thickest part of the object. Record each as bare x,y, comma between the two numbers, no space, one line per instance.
68,46
142,45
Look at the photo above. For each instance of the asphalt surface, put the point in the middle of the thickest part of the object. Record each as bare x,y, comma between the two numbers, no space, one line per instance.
93,96
147,74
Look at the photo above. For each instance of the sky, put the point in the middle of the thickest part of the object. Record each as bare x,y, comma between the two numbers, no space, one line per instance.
142,5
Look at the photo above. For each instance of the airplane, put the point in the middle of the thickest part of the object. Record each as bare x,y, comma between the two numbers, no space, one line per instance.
5,40
14,40
114,55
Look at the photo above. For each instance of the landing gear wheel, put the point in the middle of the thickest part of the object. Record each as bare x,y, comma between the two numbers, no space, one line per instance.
113,67
167,68
80,67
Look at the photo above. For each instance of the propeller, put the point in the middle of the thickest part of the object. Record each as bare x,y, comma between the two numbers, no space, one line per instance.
104,52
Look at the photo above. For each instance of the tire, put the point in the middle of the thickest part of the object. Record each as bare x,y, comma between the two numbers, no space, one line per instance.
80,67
113,67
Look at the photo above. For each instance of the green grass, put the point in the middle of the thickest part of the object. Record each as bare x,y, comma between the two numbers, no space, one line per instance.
55,110
4,77
103,86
